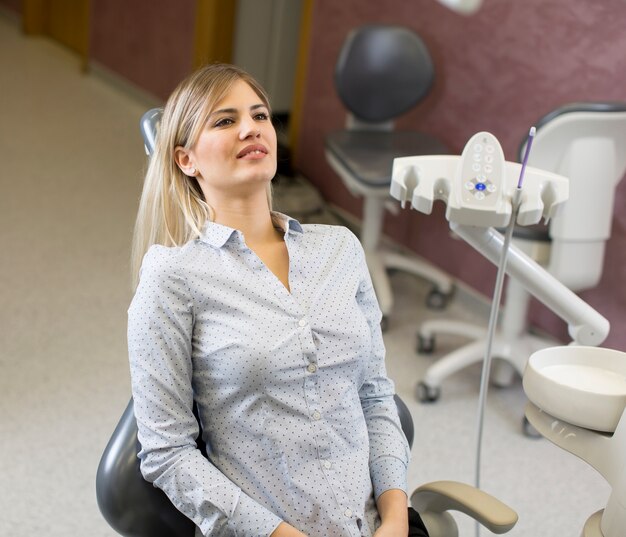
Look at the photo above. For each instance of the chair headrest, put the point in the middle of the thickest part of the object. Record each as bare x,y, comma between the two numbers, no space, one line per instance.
148,126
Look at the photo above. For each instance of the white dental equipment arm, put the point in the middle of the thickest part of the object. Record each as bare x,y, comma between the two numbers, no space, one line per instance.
585,325
478,187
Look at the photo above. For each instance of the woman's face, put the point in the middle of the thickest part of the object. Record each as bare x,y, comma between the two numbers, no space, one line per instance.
236,151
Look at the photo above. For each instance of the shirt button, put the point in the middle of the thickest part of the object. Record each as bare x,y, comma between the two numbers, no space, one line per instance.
302,322
348,513
311,368
327,465
316,415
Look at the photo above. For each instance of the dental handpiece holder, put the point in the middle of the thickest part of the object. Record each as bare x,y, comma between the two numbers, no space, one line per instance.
479,188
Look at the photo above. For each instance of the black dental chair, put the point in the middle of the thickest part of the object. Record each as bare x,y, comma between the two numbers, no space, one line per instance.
134,508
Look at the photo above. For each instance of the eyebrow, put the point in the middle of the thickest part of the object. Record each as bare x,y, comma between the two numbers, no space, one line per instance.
235,111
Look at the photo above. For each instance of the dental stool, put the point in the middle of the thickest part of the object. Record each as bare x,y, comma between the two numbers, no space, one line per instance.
382,72
134,508
585,142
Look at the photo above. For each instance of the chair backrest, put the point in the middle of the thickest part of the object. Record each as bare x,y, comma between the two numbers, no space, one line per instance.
585,142
382,71
132,506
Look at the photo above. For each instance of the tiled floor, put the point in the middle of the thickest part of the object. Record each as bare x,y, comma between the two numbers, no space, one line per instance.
71,163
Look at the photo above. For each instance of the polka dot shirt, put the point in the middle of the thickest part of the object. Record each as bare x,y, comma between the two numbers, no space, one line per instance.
296,409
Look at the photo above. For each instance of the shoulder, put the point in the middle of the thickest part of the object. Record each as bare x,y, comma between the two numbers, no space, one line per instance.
329,232
162,280
333,238
166,262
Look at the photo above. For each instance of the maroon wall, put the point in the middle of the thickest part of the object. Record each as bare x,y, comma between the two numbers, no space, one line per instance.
12,5
148,42
499,70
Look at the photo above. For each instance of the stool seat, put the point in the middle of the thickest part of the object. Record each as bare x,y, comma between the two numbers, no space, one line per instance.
368,155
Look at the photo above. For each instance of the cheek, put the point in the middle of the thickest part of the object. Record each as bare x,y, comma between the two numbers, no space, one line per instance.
211,152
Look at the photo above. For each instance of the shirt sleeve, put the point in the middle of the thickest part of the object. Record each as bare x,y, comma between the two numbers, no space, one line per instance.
160,326
389,450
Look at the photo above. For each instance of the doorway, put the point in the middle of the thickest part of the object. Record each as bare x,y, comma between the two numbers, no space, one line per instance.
66,21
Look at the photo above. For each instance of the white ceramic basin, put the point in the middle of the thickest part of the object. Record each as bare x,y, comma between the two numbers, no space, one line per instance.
584,386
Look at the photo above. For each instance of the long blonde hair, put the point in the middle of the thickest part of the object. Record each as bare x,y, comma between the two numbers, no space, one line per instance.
172,208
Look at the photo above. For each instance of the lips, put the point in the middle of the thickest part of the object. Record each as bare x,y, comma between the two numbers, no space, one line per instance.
252,150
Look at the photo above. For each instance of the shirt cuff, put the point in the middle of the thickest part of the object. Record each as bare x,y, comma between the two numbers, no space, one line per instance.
251,519
388,473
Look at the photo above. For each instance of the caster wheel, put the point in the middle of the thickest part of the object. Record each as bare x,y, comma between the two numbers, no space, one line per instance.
436,300
529,430
426,393
425,344
384,323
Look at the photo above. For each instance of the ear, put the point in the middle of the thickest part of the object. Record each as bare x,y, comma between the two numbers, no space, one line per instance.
184,161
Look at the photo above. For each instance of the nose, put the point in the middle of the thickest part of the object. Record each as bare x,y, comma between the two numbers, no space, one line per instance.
249,129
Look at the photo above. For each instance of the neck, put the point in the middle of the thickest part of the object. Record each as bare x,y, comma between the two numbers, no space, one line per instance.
254,222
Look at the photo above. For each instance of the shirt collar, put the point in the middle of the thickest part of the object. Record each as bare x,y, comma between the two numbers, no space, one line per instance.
217,235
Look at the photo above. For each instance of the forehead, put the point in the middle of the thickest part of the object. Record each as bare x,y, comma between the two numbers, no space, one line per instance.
239,95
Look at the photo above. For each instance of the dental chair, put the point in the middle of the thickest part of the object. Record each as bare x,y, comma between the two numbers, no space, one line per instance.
585,142
134,508
382,72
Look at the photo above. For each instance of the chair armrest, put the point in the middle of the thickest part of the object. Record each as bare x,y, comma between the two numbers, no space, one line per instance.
441,496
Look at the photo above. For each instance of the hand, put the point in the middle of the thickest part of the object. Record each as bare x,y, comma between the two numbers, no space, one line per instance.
285,530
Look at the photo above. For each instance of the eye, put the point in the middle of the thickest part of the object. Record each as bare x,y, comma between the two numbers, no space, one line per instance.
261,116
223,122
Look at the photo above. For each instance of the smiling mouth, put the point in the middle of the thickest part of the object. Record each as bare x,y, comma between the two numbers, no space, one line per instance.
252,151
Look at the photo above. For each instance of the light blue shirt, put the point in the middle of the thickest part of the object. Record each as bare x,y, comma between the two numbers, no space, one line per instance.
296,407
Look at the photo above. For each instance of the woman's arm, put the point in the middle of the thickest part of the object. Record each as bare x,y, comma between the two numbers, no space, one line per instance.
160,326
389,450
392,508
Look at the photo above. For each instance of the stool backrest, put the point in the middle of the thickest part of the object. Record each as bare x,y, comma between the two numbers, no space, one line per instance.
382,71
585,142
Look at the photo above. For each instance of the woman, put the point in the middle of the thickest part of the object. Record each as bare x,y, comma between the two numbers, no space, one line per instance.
272,327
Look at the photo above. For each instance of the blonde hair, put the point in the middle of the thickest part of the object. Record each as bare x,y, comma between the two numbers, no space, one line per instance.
172,208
